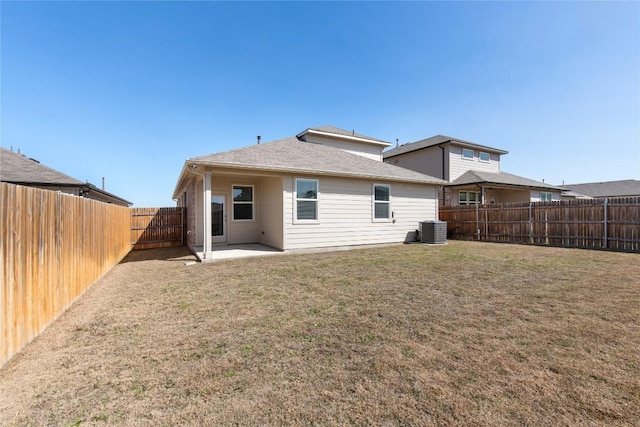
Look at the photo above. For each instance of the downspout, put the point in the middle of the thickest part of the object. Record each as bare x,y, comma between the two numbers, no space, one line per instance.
443,169
443,161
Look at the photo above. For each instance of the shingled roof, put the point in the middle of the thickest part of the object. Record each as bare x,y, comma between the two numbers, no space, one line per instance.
437,140
623,188
16,168
290,155
500,178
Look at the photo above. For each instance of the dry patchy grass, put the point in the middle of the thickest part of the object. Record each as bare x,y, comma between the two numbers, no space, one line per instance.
462,334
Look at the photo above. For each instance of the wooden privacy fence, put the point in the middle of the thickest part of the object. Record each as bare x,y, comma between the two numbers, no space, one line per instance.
612,224
53,247
157,227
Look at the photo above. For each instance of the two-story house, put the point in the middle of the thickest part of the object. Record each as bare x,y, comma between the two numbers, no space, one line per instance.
323,187
473,172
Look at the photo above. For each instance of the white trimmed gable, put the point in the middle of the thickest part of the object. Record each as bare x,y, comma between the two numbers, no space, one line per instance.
350,142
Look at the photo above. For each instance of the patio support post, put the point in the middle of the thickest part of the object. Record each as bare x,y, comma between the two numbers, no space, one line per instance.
206,189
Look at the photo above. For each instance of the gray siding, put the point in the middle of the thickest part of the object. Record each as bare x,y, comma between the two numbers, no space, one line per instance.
370,151
270,218
345,213
428,161
459,165
242,231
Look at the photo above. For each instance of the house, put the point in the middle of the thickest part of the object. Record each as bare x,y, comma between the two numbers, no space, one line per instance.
599,190
325,187
472,171
16,168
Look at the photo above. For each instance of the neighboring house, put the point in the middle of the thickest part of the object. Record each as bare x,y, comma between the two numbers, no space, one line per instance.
324,187
472,171
16,168
624,188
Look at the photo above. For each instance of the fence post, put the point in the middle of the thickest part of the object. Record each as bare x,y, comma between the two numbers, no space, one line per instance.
530,222
546,228
486,223
606,226
477,223
182,226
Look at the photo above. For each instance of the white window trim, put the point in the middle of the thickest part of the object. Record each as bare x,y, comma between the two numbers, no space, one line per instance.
480,157
473,154
546,192
374,201
478,198
295,202
252,203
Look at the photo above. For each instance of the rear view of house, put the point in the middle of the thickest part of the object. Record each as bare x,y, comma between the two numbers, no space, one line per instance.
323,187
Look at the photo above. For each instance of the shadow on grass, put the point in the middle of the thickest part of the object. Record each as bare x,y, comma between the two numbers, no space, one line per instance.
178,253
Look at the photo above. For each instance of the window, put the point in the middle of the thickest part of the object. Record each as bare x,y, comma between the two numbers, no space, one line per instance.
484,157
242,202
306,199
469,198
381,201
467,154
545,196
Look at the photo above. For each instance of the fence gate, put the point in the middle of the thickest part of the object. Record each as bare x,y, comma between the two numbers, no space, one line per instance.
157,227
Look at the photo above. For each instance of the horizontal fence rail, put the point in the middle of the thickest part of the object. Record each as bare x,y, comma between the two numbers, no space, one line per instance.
157,227
612,224
53,247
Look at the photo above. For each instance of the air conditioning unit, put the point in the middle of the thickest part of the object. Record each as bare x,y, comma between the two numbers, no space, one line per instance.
434,232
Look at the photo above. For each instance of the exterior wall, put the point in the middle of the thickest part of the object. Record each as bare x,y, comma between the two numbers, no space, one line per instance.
265,228
345,213
506,196
237,232
459,165
270,216
369,151
428,161
497,195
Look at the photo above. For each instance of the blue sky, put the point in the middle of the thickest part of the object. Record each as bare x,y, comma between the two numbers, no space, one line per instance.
129,90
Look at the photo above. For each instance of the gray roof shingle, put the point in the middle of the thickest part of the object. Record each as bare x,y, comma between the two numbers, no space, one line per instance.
501,178
16,168
291,155
435,140
627,187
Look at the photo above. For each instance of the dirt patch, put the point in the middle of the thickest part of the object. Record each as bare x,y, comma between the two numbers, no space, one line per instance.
462,334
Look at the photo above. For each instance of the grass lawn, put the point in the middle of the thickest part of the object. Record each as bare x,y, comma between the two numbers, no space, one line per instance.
462,334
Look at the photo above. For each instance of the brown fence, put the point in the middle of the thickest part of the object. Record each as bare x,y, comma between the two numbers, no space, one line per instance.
612,224
53,247
157,227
